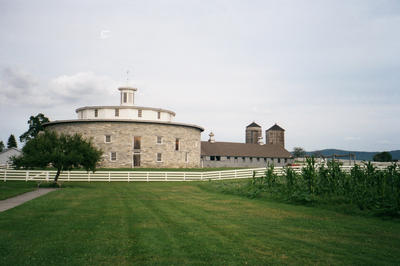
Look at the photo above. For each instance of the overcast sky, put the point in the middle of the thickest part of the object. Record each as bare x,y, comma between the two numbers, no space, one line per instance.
328,72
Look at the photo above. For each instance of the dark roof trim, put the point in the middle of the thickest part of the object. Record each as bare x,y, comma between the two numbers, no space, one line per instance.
275,127
121,121
254,124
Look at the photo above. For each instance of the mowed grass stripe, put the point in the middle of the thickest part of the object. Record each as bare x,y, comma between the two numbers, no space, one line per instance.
180,223
191,236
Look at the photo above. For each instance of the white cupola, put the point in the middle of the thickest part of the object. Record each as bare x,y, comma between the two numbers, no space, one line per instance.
211,139
127,96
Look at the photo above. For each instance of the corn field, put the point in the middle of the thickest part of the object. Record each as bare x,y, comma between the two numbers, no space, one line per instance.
365,186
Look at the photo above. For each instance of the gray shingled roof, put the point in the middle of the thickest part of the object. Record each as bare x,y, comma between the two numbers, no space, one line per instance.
275,127
253,125
243,149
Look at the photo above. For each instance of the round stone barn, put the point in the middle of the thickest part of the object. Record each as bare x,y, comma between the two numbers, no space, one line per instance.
134,136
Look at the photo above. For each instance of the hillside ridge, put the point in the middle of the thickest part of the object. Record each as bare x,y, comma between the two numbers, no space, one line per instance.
360,155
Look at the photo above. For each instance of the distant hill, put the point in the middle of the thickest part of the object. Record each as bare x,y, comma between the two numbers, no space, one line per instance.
360,155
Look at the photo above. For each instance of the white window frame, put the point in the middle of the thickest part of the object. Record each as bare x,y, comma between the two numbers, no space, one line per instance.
159,138
105,139
111,156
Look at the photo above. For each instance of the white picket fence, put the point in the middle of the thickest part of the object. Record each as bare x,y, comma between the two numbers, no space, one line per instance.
127,176
130,176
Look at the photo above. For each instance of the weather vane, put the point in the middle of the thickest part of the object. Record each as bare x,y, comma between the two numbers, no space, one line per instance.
127,77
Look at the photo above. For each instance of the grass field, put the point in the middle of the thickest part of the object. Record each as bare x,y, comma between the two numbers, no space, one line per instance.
183,223
13,188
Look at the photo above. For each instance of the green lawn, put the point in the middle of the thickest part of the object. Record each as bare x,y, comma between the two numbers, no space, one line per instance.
183,223
13,188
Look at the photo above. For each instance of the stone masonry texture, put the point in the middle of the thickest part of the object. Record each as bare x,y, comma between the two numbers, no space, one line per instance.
122,137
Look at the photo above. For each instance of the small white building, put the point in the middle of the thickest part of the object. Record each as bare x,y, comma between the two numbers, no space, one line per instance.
5,156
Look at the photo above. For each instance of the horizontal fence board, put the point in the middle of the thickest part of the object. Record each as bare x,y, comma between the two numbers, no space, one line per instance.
145,176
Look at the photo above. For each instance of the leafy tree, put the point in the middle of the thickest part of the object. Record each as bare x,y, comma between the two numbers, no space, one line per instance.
63,152
383,157
1,146
298,152
35,126
11,143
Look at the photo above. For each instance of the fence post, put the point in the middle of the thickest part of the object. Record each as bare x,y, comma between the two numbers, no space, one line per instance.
184,176
147,176
26,176
109,176
68,175
219,174
47,176
89,177
128,176
5,175
201,176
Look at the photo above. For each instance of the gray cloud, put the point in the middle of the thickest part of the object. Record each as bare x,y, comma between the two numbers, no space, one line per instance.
324,70
19,88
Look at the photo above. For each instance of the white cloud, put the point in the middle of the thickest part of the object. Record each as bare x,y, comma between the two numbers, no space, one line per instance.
105,34
20,88
81,87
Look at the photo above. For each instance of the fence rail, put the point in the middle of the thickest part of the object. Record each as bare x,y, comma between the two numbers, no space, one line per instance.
131,176
126,176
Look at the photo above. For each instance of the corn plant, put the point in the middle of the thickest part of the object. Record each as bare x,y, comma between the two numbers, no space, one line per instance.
270,176
309,175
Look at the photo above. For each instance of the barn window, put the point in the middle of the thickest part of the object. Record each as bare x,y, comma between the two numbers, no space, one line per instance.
108,138
113,156
137,142
159,157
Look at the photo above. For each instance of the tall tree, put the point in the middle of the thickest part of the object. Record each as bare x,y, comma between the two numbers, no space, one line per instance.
11,143
1,146
63,152
383,157
298,152
35,126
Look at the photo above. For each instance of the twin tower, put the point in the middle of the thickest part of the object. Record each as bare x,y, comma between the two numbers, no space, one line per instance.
273,135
